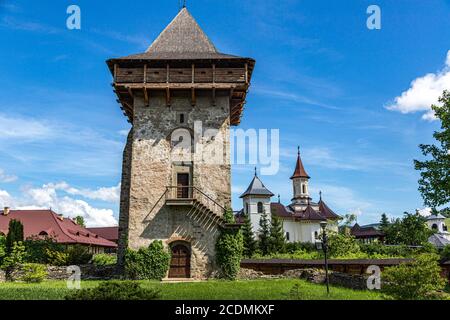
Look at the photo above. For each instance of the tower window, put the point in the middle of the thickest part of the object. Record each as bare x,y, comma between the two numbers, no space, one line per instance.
445,227
181,117
247,209
304,188
287,236
434,226
260,207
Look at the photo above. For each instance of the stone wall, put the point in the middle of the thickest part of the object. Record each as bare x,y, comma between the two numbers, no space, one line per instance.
88,272
148,169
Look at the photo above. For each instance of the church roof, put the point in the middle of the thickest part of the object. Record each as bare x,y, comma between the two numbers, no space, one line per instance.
436,217
182,39
311,214
257,188
326,211
300,171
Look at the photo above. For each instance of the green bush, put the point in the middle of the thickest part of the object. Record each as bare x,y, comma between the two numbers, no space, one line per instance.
342,245
15,257
115,290
57,258
78,255
300,246
418,280
15,234
104,259
2,249
150,263
38,249
445,253
33,272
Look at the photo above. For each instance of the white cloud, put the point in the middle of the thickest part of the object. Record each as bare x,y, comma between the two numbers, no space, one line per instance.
22,128
47,197
123,132
6,178
425,212
424,92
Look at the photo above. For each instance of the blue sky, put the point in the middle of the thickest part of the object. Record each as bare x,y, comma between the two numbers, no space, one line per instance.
322,78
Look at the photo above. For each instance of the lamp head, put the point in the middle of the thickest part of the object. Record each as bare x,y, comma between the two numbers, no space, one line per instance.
323,224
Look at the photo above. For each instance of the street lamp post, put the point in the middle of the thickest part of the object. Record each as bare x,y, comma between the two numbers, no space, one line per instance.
323,225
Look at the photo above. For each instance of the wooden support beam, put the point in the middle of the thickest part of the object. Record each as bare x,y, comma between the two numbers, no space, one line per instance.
168,73
145,73
193,97
214,96
115,71
130,91
246,73
193,73
214,73
168,96
146,96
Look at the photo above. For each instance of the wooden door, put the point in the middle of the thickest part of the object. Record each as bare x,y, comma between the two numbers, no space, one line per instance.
182,185
180,265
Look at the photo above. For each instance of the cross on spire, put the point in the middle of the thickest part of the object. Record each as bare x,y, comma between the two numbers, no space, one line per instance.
298,150
256,171
320,194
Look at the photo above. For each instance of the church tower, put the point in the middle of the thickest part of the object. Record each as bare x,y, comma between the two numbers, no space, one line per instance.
181,97
300,180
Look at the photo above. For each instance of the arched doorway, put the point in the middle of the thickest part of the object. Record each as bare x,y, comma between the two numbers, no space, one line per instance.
180,264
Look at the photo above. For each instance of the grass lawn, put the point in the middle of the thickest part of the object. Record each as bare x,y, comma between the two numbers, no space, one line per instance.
208,290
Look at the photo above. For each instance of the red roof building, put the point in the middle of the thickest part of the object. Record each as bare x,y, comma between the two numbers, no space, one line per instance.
46,223
108,233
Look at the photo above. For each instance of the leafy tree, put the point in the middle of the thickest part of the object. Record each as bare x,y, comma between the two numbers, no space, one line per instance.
80,221
250,244
341,245
264,234
434,184
349,220
384,222
277,241
229,248
15,234
15,257
410,231
414,281
2,249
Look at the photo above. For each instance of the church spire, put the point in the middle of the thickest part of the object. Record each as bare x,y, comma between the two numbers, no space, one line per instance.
300,171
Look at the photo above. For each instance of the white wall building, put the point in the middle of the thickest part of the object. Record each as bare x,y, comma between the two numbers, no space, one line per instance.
301,218
442,237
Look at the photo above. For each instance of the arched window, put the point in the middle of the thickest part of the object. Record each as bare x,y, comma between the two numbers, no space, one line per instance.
43,233
287,236
260,207
304,188
434,226
445,227
316,235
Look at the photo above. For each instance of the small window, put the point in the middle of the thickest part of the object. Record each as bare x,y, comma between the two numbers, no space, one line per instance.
260,207
181,118
445,227
304,189
247,210
434,226
316,235
287,236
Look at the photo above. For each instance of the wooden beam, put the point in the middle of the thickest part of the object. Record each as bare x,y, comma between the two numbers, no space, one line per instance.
246,73
130,91
115,71
168,96
214,73
193,73
193,97
168,73
145,73
146,96
214,96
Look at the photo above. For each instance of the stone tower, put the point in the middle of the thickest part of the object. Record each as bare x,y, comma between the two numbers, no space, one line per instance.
181,97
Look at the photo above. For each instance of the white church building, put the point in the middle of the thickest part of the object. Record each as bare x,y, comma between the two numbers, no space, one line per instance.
301,218
442,237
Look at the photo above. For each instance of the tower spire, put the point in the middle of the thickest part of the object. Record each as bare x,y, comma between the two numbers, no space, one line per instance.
256,171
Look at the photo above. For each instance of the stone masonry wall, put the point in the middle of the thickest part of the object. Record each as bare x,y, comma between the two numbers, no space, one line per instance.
143,212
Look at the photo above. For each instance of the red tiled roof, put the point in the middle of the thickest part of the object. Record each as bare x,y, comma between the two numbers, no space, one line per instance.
300,171
109,233
311,214
308,214
63,230
326,211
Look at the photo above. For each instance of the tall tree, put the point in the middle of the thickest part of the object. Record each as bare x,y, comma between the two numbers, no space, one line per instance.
410,231
80,221
264,234
277,243
15,234
250,244
384,222
434,184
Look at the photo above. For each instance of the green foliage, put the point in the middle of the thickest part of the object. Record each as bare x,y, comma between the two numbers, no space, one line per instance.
375,250
15,257
37,249
78,255
80,221
15,234
410,231
57,258
264,234
33,272
414,281
277,240
384,222
434,184
445,253
229,248
151,263
342,245
2,249
115,290
300,246
104,259
249,242
348,220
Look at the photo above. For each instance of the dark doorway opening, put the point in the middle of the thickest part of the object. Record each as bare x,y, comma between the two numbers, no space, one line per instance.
182,185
